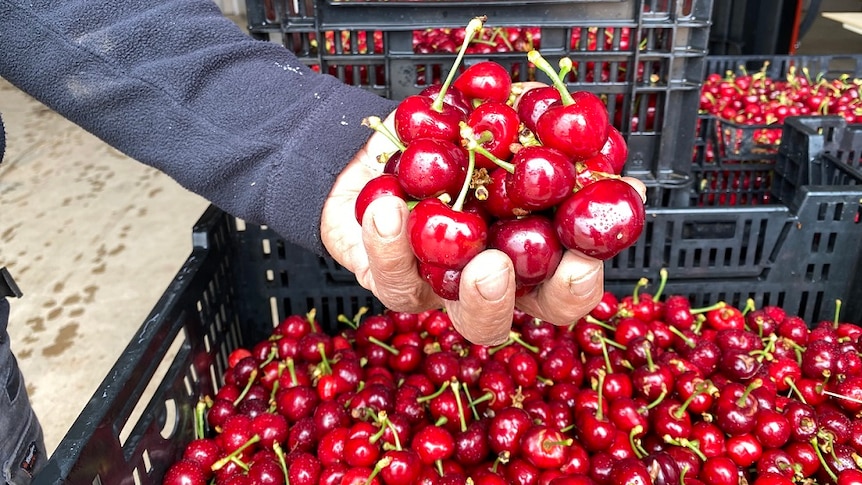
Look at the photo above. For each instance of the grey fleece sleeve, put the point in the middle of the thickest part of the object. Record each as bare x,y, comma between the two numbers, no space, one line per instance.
176,85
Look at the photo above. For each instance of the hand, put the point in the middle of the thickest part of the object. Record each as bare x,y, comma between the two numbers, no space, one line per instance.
379,254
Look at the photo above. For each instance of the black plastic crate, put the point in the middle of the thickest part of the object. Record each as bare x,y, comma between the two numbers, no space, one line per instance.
647,63
237,284
791,239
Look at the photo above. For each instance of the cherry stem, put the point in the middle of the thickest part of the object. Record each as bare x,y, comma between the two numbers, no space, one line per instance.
565,67
383,463
591,319
473,144
749,306
748,390
608,366
841,396
376,124
465,187
716,306
820,457
638,287
685,442
376,341
470,402
685,338
279,453
310,316
659,399
548,444
324,361
699,389
235,453
251,379
662,274
635,443
200,409
600,399
291,369
435,394
488,396
837,313
473,28
536,58
456,386
273,353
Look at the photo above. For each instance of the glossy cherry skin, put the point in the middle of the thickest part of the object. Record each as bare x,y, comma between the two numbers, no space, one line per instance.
499,204
601,219
416,118
445,237
444,281
429,168
534,103
384,184
452,97
579,130
615,150
485,81
499,122
543,177
531,244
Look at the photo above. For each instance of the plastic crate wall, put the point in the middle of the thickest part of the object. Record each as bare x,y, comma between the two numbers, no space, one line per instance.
647,65
799,249
237,284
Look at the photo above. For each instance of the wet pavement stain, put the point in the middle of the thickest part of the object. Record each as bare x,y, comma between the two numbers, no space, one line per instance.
64,339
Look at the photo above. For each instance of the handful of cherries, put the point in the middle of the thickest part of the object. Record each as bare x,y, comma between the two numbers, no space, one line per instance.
485,164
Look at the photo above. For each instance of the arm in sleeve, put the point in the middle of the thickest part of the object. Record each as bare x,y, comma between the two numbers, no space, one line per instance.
177,86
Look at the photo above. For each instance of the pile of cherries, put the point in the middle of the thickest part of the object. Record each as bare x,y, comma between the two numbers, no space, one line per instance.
530,179
758,101
643,390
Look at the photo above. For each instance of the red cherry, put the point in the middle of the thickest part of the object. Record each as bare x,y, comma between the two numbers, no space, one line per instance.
430,168
485,81
579,129
601,219
531,244
384,184
440,235
416,117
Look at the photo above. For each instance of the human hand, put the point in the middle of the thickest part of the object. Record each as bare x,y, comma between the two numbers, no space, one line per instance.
379,253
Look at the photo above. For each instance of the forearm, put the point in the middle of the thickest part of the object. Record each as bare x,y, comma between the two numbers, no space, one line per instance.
179,87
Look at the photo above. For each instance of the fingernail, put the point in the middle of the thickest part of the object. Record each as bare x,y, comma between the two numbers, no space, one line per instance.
387,221
493,286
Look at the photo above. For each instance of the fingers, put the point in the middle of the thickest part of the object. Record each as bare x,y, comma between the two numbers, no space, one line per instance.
574,289
638,186
392,275
483,315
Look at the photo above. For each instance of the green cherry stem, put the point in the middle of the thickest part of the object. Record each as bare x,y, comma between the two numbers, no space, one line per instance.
456,386
251,380
436,393
473,144
465,187
473,27
200,409
662,274
536,58
279,453
237,452
376,124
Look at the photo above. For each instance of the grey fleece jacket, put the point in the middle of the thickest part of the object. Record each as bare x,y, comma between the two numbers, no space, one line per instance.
177,86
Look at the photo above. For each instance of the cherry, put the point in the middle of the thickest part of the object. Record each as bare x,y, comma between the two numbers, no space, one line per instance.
506,428
443,236
452,97
531,244
185,472
485,81
403,469
615,150
430,168
630,471
719,470
601,219
542,177
579,125
544,447
495,125
432,443
384,184
534,103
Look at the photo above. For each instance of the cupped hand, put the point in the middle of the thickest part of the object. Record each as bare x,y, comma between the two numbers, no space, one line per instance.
378,252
